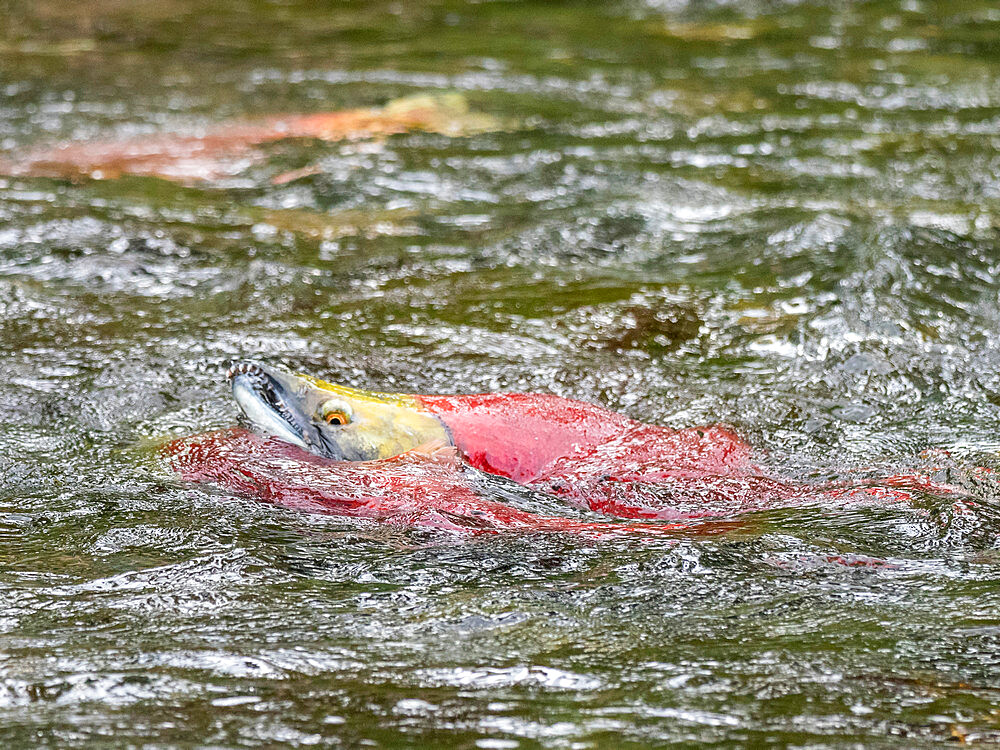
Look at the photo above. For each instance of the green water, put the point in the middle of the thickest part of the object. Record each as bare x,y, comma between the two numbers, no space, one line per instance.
780,216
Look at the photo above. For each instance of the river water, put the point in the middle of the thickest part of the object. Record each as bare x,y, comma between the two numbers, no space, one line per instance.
781,216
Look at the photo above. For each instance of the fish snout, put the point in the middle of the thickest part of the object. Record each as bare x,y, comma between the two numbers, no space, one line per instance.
267,398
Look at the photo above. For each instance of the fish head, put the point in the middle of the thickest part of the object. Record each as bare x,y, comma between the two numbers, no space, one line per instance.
333,421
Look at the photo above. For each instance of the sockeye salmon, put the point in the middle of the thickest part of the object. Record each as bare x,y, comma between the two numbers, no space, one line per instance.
413,459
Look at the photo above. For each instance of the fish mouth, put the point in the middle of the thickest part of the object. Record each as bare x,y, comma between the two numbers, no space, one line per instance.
266,398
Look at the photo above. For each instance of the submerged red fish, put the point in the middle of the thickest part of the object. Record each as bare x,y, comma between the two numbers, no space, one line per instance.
228,148
414,460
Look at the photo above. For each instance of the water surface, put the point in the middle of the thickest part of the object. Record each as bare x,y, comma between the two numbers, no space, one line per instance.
780,216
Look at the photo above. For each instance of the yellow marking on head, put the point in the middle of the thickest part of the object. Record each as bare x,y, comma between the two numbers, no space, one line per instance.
401,400
375,425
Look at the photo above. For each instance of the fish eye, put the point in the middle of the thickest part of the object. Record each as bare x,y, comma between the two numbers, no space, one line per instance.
336,413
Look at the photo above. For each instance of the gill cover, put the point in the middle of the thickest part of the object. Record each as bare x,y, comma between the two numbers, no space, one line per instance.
333,421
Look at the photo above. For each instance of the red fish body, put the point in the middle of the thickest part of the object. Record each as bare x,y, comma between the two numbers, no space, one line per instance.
607,462
588,456
414,489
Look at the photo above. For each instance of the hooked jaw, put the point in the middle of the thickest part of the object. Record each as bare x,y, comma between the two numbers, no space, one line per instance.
266,403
